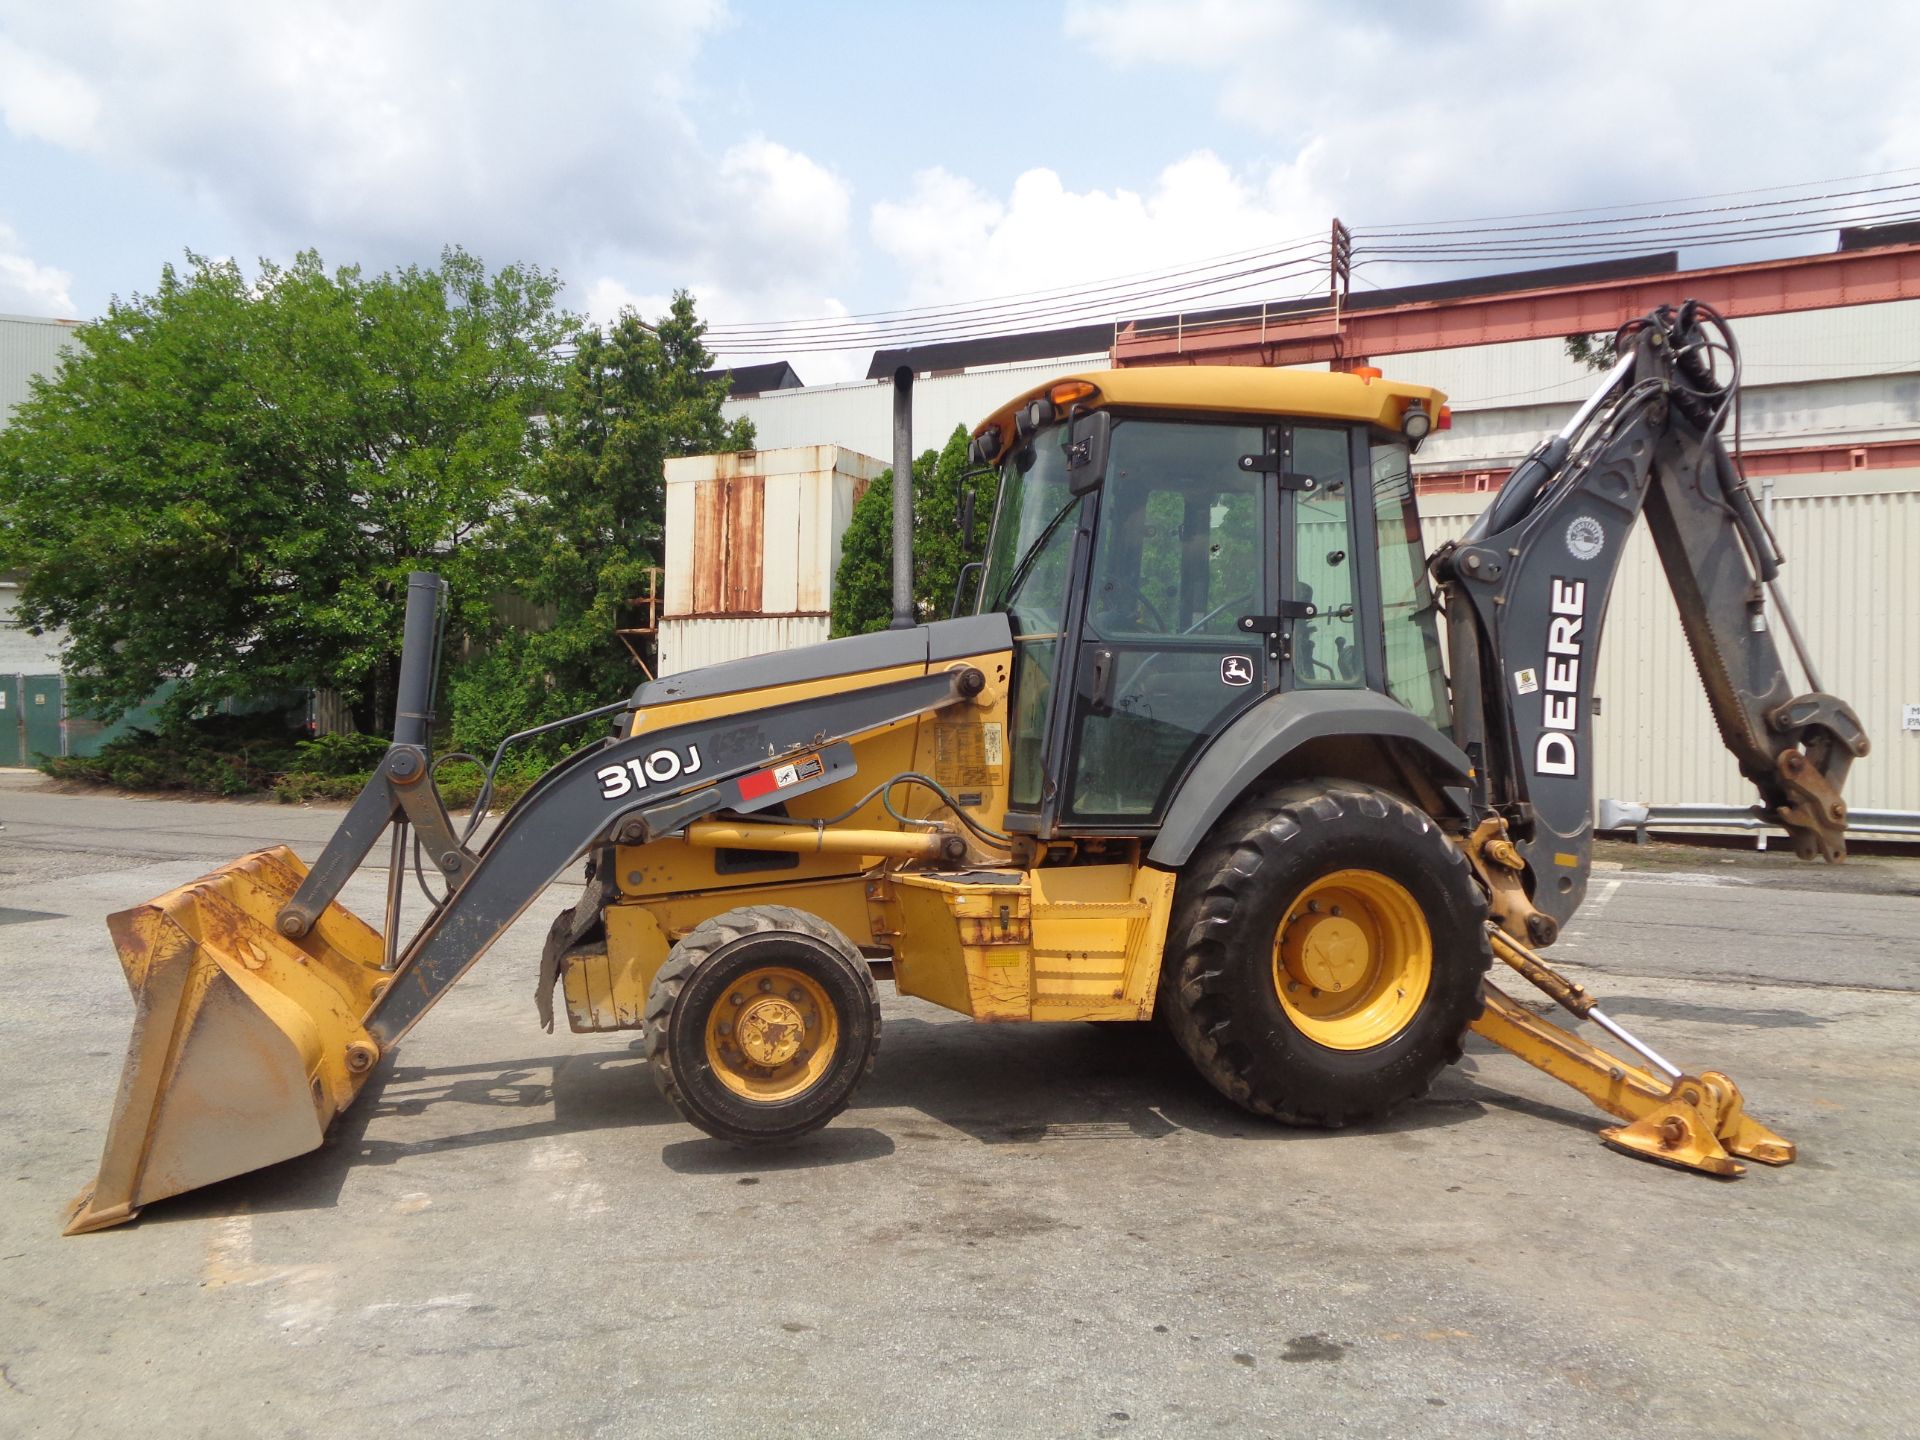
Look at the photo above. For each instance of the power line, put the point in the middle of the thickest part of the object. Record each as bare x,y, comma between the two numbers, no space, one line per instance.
1831,215
1299,242
1591,232
1672,200
1086,310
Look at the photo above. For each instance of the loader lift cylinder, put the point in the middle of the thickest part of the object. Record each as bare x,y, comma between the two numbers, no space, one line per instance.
903,499
412,723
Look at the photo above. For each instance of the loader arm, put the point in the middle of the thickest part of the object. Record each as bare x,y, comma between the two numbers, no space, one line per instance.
1526,593
607,792
262,1007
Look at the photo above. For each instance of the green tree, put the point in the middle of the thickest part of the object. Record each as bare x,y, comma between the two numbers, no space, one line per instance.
591,522
863,585
1596,352
226,484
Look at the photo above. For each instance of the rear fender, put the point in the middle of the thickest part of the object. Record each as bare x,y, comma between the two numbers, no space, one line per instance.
1259,743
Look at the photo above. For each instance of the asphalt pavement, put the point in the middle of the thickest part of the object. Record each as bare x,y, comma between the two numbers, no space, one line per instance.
1014,1231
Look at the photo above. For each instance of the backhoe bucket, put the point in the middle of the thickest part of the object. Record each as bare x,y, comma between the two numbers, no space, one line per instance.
246,1043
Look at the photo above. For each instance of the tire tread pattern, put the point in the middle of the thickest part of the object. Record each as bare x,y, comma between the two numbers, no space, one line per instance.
1221,885
699,945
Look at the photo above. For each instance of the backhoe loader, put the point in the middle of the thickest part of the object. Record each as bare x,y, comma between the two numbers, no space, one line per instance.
1219,747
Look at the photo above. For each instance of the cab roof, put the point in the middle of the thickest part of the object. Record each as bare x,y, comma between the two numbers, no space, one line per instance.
1233,390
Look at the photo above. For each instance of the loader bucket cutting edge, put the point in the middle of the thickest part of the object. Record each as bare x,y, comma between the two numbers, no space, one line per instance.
239,1055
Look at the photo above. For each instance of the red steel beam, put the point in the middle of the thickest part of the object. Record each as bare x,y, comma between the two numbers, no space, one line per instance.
1763,287
1788,460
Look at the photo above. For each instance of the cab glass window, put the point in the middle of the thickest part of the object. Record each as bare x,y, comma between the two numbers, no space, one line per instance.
1028,570
1415,676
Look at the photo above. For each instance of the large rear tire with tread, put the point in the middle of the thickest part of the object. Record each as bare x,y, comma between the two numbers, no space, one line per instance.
762,1024
1325,954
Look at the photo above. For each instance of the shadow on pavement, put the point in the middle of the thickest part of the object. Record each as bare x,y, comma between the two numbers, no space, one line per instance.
997,1085
836,1145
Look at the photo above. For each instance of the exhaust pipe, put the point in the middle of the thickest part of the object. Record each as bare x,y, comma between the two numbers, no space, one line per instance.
903,616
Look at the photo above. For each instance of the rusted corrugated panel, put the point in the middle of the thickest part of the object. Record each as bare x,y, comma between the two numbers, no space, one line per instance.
745,561
729,531
709,547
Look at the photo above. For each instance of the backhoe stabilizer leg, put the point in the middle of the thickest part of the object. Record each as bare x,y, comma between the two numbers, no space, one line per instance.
1697,1122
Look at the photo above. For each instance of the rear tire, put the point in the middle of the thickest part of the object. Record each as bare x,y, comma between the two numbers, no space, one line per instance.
1325,954
761,1025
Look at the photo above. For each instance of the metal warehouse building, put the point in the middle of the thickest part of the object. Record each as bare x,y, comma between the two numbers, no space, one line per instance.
1830,429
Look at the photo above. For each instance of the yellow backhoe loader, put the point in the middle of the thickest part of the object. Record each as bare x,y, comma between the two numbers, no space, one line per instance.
1194,758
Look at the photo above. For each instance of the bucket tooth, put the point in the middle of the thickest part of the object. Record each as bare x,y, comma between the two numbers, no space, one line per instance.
246,1044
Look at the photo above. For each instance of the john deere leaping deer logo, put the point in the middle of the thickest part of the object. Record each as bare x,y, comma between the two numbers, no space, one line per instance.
1236,670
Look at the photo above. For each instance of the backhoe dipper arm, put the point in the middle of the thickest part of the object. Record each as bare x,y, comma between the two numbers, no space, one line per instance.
633,789
1526,592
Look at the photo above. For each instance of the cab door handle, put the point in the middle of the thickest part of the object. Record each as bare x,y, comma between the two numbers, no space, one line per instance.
1102,681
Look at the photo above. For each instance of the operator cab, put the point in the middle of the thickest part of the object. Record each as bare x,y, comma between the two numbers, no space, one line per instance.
1173,547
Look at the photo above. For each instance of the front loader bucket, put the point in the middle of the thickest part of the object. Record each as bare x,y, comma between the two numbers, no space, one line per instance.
245,1043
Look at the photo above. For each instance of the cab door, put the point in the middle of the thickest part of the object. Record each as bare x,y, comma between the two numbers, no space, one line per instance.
1179,559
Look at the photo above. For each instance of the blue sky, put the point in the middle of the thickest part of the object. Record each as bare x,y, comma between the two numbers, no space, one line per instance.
789,160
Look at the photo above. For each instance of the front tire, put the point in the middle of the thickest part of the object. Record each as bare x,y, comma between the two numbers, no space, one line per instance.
1325,955
762,1024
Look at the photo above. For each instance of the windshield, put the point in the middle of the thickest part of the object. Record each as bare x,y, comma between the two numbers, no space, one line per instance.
1026,574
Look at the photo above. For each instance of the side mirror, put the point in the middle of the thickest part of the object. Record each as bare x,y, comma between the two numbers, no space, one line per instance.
966,518
1089,436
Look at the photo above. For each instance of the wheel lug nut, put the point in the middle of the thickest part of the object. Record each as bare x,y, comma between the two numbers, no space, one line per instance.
1336,910
765,986
726,1027
794,994
736,999
1313,907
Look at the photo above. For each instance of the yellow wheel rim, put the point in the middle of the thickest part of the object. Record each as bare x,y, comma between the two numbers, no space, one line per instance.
1352,960
772,1033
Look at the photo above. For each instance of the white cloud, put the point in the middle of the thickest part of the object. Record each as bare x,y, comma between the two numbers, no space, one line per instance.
28,287
381,132
774,194
1503,105
44,100
956,242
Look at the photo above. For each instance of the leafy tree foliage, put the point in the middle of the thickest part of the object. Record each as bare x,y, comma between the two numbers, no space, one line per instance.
226,485
593,519
863,585
1596,352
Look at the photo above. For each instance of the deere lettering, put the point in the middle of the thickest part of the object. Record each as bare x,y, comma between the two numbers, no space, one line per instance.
1554,753
657,768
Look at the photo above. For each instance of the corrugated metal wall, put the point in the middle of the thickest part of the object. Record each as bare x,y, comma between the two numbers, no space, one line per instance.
860,416
28,347
1851,541
688,642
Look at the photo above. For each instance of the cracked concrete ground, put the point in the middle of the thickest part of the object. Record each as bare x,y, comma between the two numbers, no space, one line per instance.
1015,1230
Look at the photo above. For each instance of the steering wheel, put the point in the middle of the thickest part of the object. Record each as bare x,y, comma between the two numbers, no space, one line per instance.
1147,606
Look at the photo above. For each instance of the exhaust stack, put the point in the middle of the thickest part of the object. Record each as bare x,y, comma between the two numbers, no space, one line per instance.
903,616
